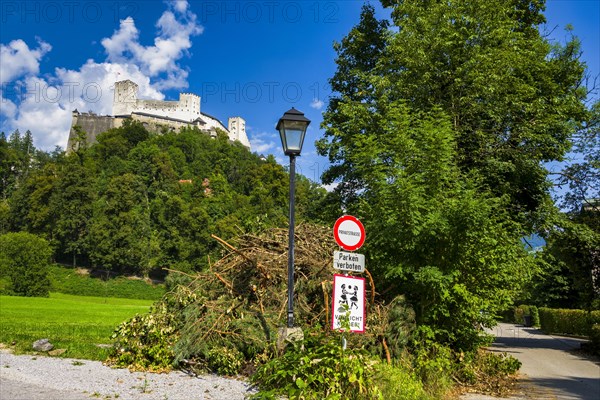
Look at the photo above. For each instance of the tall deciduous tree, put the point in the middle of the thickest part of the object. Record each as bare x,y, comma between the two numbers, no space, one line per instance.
72,203
437,133
120,231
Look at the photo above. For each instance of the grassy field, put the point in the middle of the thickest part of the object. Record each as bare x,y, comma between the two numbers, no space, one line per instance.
74,323
73,281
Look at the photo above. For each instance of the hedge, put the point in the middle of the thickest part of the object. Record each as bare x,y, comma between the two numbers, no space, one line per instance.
568,322
524,310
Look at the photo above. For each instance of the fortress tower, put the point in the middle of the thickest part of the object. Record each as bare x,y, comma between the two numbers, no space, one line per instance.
189,106
125,99
237,130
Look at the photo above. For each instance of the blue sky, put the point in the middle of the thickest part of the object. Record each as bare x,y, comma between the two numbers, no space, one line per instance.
254,59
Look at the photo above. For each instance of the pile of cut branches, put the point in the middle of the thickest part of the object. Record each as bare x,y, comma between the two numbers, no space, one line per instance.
241,300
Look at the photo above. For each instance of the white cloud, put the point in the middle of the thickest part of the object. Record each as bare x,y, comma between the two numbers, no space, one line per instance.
8,109
317,104
91,88
41,112
175,30
45,105
19,60
92,85
263,143
181,5
122,41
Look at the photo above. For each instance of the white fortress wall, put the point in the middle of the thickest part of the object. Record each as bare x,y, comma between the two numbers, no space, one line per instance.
184,111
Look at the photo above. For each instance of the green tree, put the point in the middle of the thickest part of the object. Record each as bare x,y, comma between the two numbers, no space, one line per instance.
23,261
72,204
437,133
182,230
582,176
17,159
30,202
573,250
573,241
120,233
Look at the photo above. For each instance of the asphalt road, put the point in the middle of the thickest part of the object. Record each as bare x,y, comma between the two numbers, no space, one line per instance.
552,368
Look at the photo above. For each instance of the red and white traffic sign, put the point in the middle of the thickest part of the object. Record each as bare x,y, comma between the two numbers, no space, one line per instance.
349,233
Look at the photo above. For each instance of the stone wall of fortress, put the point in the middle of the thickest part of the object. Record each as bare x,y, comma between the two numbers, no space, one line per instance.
155,115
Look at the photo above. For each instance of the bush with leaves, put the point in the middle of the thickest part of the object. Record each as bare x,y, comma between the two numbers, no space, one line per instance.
145,342
319,368
567,321
523,311
398,381
594,344
24,260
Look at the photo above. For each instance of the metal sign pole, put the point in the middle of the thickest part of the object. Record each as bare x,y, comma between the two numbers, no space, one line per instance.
290,321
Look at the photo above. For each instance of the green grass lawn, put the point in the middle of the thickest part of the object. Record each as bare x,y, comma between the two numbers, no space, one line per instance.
74,323
68,280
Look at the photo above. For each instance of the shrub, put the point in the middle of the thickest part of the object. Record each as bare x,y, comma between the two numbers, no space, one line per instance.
69,281
225,361
535,315
568,322
24,263
523,311
145,342
595,338
519,313
439,367
398,382
319,368
433,362
486,371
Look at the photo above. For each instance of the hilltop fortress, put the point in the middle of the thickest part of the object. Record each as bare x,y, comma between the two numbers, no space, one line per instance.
154,115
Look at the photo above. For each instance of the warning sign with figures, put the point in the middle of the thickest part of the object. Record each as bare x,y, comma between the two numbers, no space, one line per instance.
348,306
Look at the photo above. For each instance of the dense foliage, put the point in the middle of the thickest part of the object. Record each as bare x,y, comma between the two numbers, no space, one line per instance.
316,370
24,263
139,202
83,282
438,130
568,321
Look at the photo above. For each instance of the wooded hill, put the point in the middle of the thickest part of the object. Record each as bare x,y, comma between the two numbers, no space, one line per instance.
138,202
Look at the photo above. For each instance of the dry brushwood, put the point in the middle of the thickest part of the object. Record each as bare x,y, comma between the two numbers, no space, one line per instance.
241,299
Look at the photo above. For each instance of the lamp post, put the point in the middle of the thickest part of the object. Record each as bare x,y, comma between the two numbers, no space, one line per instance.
292,129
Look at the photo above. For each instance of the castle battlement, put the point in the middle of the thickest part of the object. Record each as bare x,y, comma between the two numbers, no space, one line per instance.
154,114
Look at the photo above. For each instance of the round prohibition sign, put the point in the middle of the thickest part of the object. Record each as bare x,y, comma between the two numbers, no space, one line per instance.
349,233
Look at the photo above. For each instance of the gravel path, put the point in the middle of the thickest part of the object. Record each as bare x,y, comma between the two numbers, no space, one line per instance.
30,377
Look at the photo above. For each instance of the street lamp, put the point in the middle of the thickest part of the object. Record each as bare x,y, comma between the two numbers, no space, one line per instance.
292,129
